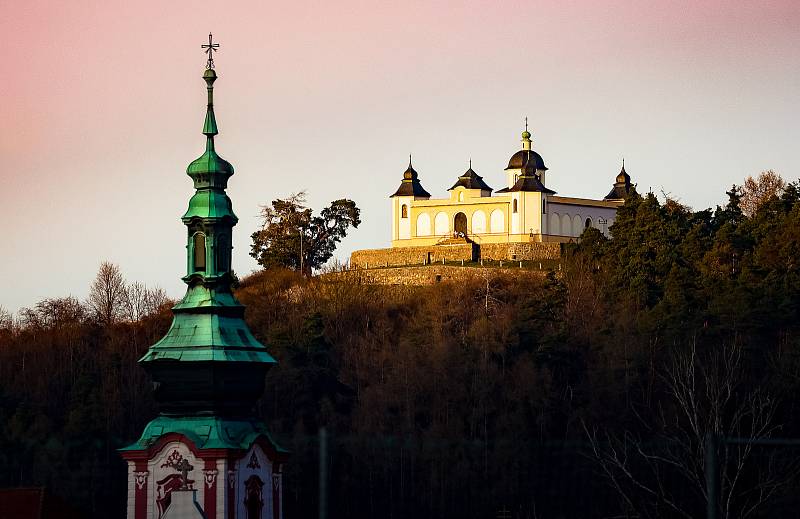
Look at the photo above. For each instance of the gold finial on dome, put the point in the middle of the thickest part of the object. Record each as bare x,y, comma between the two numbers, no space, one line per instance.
526,137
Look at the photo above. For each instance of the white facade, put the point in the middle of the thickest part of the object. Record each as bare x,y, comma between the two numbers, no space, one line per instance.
245,486
524,210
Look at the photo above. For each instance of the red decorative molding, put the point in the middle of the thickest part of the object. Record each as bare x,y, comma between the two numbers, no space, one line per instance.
140,494
276,496
210,491
231,494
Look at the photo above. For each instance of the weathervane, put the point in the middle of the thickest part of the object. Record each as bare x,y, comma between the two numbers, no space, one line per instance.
211,48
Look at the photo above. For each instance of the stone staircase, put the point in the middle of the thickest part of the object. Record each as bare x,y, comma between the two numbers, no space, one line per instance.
452,240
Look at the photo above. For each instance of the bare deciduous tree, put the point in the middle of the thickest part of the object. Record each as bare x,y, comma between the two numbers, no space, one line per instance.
135,301
6,319
108,293
756,191
486,295
664,474
584,295
53,312
140,301
155,298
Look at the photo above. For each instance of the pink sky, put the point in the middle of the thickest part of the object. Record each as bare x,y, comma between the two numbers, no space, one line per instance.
103,106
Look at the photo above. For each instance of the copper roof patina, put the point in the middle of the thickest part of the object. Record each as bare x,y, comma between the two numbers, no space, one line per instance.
209,369
208,363
205,432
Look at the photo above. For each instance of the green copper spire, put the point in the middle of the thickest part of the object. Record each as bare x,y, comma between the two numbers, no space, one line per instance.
208,371
210,172
209,363
210,126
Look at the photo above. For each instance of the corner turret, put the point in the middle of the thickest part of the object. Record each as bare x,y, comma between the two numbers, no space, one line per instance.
622,186
410,185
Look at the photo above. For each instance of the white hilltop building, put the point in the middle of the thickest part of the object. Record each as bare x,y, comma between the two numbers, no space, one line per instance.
524,210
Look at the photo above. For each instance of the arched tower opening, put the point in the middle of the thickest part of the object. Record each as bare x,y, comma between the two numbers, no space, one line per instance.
460,224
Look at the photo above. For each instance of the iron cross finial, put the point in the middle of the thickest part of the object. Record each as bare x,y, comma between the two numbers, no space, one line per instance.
526,124
184,467
211,48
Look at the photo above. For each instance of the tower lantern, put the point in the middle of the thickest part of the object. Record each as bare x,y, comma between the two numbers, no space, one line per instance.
206,450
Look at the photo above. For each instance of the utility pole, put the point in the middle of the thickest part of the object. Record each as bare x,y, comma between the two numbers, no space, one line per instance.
323,473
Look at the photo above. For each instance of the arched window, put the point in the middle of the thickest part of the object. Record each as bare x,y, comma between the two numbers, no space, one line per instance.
478,222
461,196
222,254
253,500
497,221
566,225
404,211
587,223
423,225
441,224
577,225
555,224
514,206
199,251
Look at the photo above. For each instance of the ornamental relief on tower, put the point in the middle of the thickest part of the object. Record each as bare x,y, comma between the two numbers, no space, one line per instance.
140,477
166,474
210,477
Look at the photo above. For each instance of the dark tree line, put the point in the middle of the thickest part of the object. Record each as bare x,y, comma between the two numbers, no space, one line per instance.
583,393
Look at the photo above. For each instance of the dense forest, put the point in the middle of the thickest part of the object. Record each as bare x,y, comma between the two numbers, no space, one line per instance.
595,390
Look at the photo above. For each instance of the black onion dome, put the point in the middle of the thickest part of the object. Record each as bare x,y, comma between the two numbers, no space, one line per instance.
529,180
410,186
623,176
622,186
471,180
517,160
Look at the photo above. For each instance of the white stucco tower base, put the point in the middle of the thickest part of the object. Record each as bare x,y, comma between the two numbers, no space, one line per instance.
236,473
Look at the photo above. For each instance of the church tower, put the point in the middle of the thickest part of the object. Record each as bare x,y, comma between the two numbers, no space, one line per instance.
528,195
205,454
410,189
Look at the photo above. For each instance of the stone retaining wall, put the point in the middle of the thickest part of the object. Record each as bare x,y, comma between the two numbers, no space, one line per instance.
423,275
402,256
532,251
